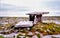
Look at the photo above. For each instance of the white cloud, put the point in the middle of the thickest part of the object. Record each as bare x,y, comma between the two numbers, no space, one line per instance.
34,5
27,3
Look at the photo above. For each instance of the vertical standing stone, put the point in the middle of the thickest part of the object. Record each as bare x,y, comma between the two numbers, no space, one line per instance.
31,17
39,18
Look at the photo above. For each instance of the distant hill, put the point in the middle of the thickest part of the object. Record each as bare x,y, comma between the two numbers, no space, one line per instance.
51,17
17,19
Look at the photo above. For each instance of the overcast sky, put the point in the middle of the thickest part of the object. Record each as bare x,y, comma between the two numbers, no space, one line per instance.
21,7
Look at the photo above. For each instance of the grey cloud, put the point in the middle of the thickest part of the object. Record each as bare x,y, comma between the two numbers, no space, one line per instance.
55,5
8,7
